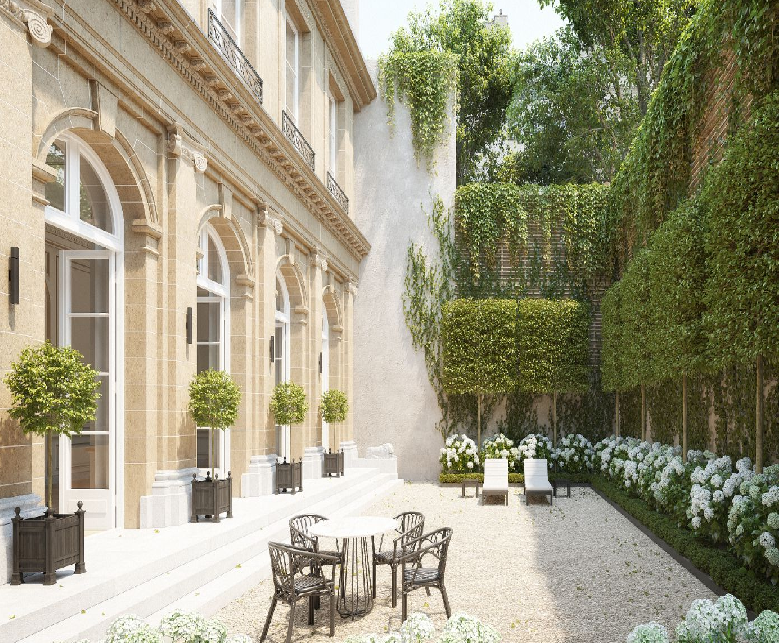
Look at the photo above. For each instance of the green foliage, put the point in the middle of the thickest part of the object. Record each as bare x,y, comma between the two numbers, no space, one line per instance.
423,80
478,338
675,341
214,399
458,478
552,345
455,45
334,406
635,312
288,403
740,201
726,569
573,110
52,390
612,368
644,32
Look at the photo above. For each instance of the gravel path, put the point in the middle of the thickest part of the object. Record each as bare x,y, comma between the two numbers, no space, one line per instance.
577,571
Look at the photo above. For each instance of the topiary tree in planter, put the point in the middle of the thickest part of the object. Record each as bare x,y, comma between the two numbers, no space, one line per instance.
289,406
334,408
53,392
214,401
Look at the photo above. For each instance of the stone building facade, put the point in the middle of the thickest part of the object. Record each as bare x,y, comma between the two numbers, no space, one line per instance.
177,178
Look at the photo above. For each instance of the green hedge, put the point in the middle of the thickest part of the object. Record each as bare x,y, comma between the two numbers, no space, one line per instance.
722,566
478,345
457,478
552,345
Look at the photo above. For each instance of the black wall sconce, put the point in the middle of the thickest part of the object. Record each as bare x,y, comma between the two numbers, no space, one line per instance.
189,324
320,363
271,349
13,275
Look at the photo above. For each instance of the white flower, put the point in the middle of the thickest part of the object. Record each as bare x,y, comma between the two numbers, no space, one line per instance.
766,540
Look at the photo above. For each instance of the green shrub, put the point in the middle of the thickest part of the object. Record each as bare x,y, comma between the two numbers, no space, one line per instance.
288,403
334,406
457,478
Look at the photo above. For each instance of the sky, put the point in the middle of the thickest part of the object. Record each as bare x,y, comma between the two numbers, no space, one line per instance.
379,18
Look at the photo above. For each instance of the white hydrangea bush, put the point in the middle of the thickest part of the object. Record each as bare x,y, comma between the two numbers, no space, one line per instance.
462,628
501,447
574,454
721,621
535,445
459,455
177,627
418,628
709,506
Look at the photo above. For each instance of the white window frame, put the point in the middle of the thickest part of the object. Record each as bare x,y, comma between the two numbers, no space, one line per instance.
237,28
282,318
113,245
218,292
333,120
292,113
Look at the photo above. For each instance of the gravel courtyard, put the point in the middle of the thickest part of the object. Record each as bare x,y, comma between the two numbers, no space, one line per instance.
577,571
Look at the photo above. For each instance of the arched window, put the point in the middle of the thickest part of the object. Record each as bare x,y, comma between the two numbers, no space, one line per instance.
212,336
84,306
325,370
282,357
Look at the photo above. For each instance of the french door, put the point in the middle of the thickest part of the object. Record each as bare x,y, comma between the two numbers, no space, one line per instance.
325,372
87,322
282,374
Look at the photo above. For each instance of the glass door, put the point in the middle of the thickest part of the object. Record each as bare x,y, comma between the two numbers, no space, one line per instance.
87,323
325,361
281,374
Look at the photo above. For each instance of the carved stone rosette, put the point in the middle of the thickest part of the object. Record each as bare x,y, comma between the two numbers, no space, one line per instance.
32,13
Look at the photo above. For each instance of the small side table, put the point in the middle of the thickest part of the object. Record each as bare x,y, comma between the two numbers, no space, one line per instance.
469,483
555,484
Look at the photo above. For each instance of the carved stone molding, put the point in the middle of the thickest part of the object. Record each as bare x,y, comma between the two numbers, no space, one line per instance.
318,260
32,13
181,145
351,288
274,224
42,174
301,315
152,235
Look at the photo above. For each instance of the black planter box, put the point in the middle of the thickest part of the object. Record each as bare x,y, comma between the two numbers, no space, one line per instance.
210,497
47,543
334,464
289,475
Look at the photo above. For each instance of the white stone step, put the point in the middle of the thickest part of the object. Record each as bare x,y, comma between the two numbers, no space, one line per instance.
121,560
235,549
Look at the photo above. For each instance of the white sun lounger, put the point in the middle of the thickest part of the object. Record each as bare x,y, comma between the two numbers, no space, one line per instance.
535,479
496,479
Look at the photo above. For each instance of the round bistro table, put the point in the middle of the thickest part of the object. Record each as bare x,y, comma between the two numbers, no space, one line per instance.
354,597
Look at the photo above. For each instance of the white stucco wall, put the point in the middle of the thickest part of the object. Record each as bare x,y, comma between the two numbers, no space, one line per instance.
393,400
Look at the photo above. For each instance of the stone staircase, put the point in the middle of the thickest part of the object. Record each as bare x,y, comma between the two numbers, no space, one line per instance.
198,567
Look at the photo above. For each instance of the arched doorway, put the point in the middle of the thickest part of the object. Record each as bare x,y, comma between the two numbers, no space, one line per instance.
213,328
282,358
84,309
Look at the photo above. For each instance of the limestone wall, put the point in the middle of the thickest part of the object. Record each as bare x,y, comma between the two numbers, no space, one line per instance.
394,401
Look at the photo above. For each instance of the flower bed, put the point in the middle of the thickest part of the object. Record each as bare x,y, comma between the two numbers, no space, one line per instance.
418,628
459,455
457,478
722,621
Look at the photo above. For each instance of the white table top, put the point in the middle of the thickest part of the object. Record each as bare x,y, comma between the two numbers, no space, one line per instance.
353,527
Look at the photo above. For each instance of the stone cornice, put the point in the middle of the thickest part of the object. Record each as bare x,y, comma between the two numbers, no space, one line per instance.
180,42
335,29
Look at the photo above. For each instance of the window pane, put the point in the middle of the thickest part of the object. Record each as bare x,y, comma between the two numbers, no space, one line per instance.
209,318
55,191
208,357
231,16
90,462
94,206
204,446
215,266
292,71
89,280
89,336
101,421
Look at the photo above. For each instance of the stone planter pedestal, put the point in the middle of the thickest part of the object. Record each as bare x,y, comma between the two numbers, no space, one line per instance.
47,543
210,497
260,480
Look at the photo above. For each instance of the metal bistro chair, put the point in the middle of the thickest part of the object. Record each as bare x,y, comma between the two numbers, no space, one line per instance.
291,584
410,527
299,535
414,575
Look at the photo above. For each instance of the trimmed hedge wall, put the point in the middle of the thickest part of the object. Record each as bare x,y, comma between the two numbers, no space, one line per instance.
457,478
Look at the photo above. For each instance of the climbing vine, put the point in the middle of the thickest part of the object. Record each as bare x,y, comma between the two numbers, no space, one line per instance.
424,81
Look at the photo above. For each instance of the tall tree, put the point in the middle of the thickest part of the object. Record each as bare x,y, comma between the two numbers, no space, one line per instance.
646,31
485,64
573,113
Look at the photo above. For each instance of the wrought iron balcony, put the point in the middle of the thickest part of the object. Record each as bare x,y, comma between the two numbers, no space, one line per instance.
231,52
295,137
337,193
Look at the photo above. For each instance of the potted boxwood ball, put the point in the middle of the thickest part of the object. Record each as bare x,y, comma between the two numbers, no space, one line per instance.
53,393
289,406
333,409
214,400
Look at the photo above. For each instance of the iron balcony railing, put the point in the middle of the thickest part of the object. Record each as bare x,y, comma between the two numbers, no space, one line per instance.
231,52
295,137
335,189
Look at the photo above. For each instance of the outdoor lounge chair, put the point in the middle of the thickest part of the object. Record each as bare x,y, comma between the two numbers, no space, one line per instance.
415,576
292,584
496,479
410,527
535,479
